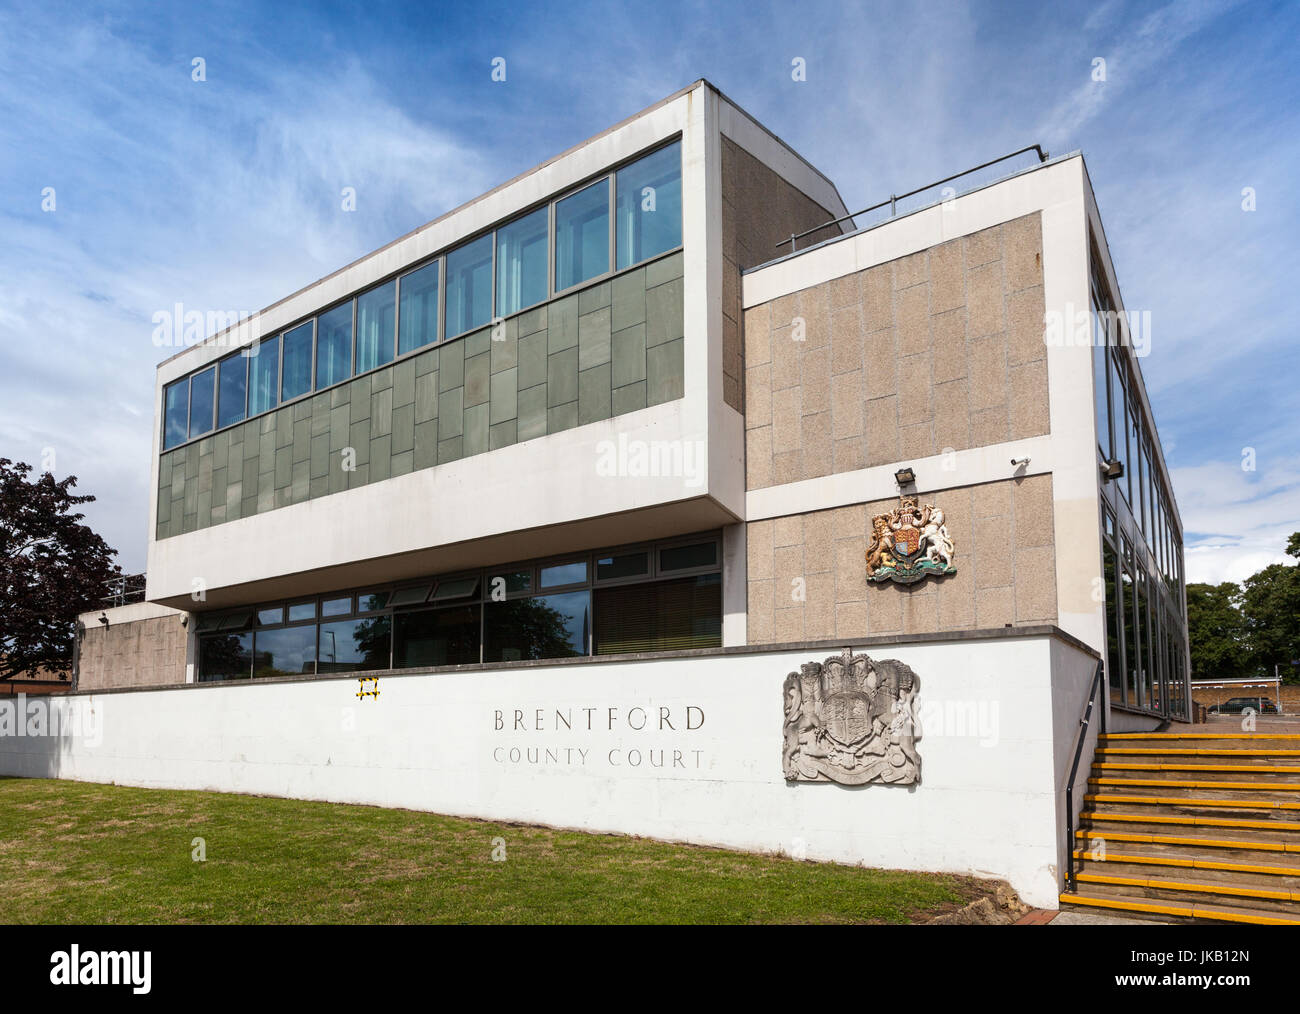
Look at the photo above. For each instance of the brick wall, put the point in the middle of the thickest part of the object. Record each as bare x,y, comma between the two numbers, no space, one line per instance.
137,653
1005,559
940,349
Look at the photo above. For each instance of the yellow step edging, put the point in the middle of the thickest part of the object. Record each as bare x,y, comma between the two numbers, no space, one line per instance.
1191,864
1174,839
1178,910
1271,769
1174,885
1106,737
1177,752
1178,783
1169,818
1252,804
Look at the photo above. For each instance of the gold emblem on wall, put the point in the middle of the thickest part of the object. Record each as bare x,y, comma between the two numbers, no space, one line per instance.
909,543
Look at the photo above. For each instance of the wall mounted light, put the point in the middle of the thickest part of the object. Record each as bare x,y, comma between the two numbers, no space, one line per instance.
905,475
1019,462
1112,469
103,618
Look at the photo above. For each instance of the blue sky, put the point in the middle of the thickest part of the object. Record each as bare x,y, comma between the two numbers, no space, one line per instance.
225,193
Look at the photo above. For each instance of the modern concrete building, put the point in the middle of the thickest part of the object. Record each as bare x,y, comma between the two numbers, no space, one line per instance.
607,441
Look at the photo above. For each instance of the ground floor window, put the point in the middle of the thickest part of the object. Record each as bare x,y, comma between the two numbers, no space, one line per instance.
648,597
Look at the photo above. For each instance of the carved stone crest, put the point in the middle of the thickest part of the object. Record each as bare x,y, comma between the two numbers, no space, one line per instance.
909,543
851,720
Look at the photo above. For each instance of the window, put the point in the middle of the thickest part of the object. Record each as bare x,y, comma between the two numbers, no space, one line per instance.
232,384
521,262
202,397
699,554
510,583
1114,608
376,326
285,651
225,657
469,286
1127,613
563,573
302,611
297,361
436,637
354,645
1119,413
176,413
582,236
677,614
649,206
270,617
622,565
369,601
411,596
418,319
457,588
263,376
540,626
334,346
336,607
1099,374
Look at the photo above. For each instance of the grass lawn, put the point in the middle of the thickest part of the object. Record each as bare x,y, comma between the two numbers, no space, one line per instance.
72,852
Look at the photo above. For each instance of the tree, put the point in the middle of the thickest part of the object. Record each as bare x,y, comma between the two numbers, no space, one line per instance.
1216,631
52,567
1271,604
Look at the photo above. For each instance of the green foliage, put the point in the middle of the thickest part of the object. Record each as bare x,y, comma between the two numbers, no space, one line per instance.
1238,631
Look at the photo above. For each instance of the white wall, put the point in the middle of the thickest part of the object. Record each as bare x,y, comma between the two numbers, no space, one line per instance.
986,804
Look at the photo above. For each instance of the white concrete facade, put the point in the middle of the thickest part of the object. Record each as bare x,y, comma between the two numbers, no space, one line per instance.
680,748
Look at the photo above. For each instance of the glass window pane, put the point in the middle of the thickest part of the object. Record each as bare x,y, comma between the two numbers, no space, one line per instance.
371,600
1119,416
521,262
270,617
623,565
353,645
376,323
285,651
1100,402
460,588
176,412
665,615
297,361
563,573
509,582
302,611
231,389
650,206
469,286
701,554
418,321
264,376
225,657
334,346
436,637
411,596
202,394
542,626
582,235
336,607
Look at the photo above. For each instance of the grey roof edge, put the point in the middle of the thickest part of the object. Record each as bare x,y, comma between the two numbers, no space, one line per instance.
1038,630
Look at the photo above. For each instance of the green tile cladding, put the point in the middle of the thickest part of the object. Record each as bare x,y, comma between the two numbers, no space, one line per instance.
611,348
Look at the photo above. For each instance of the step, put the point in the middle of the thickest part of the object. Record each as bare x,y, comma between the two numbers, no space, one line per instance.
1254,772
1162,737
1279,792
1151,820
1153,887
1226,841
1098,898
1169,802
1173,865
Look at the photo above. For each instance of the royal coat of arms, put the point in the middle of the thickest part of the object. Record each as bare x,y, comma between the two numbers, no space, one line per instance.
908,543
851,720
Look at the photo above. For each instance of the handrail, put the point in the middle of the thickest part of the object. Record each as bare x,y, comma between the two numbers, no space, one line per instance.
895,198
1080,737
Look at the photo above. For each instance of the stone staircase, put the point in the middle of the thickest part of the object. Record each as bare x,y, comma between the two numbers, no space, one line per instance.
1192,827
